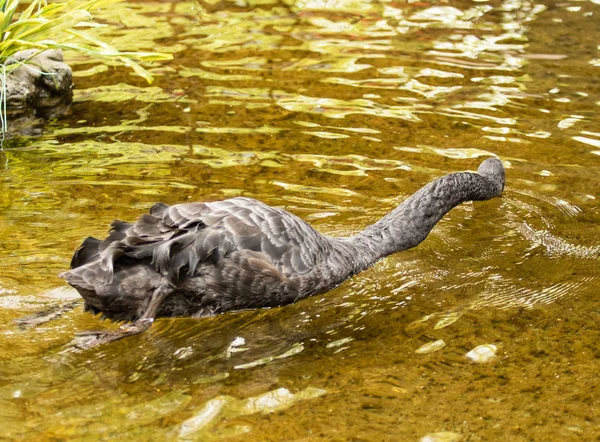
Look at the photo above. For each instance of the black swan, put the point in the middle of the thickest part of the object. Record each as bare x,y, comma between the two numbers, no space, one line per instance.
201,259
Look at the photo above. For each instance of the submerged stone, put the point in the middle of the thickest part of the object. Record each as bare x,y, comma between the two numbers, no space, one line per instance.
430,347
201,426
442,436
482,353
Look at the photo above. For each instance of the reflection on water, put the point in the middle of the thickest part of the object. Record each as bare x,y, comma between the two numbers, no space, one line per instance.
335,110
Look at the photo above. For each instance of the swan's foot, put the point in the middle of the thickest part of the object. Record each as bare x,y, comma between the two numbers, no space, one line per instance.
158,296
89,339
93,338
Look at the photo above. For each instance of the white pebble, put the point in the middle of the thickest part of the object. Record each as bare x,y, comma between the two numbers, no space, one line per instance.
430,347
483,353
442,436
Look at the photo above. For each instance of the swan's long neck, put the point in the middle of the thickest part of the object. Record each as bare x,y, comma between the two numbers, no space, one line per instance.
410,223
404,227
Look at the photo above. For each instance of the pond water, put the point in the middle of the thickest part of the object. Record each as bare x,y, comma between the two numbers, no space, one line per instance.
336,111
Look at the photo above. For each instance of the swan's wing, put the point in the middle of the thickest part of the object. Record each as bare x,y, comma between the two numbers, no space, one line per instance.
180,238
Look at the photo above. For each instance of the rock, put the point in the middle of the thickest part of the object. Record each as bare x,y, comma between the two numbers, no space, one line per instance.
430,347
482,354
41,87
442,436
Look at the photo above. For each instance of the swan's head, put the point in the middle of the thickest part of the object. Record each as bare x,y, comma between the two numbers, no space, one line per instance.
493,169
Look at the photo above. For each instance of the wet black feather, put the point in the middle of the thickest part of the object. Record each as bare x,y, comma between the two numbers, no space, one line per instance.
88,251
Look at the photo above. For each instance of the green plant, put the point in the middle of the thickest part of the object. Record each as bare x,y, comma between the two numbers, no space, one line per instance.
50,25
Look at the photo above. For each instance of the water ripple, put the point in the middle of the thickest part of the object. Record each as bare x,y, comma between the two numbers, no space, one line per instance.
335,110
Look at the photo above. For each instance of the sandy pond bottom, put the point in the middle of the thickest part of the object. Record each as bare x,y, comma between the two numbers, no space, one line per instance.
336,111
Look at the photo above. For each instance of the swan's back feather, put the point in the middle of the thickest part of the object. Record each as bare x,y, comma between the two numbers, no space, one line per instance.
178,240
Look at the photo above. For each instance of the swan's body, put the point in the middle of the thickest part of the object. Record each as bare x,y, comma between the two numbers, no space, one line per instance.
199,259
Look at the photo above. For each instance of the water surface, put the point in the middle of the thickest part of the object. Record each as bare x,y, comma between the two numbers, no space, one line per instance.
336,111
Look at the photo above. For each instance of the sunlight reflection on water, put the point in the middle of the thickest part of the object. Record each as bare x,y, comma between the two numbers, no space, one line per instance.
336,111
